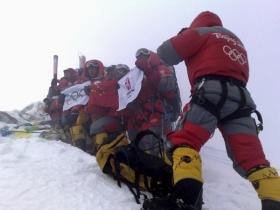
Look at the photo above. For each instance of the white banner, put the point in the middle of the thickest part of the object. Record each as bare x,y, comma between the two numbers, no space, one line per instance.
75,95
130,86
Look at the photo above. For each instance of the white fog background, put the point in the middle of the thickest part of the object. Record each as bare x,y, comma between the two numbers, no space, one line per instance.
32,31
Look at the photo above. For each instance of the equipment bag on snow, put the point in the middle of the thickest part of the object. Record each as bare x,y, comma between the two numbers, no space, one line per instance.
139,170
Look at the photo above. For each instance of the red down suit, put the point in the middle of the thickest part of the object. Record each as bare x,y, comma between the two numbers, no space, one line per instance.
207,48
158,83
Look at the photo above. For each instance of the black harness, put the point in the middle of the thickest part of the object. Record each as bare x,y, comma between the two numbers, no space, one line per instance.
197,98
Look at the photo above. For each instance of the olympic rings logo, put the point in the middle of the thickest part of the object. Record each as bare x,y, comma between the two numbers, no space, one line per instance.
74,97
235,55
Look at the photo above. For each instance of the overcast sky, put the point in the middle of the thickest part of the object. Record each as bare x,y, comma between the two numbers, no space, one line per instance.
32,31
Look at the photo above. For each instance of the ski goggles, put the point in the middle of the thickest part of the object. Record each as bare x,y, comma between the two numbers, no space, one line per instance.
92,64
142,51
122,66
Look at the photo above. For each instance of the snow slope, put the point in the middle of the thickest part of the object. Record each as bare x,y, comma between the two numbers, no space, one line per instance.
37,174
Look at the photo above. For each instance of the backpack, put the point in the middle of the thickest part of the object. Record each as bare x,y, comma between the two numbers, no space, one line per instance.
173,107
129,164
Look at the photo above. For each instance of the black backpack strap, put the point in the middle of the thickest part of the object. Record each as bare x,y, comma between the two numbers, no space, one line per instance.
156,174
162,173
119,179
136,182
141,134
118,172
130,187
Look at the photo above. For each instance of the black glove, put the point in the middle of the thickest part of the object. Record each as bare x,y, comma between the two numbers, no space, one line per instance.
54,81
182,30
87,90
56,92
79,71
72,118
61,98
47,101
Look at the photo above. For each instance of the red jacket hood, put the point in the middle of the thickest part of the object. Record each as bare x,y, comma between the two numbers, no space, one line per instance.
101,69
67,82
74,75
154,59
206,19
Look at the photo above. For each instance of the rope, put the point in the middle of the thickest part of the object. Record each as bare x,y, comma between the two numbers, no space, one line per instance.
220,160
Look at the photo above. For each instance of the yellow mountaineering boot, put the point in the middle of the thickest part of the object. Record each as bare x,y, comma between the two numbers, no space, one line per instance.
55,133
187,175
266,182
58,129
188,183
97,140
78,136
